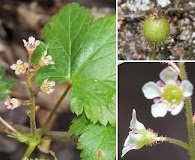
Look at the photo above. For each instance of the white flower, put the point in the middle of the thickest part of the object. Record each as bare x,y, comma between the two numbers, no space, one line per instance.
169,94
138,136
20,67
163,3
45,60
12,103
31,44
47,86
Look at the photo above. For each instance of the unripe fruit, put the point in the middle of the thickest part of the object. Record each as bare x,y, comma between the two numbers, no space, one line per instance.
156,29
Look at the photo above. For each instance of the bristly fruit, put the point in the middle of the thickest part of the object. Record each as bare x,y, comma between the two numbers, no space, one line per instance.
156,28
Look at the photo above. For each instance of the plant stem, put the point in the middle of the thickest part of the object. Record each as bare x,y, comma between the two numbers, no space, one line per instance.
32,105
54,110
153,56
177,142
29,150
189,115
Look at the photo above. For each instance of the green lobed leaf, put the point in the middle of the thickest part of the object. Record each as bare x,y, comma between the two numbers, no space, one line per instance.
6,84
62,36
84,54
80,125
93,79
96,141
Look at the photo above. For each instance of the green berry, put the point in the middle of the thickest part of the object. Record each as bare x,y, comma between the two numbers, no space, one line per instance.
156,29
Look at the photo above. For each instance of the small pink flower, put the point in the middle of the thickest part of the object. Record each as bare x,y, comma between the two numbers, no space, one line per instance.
20,67
45,60
31,44
139,136
169,93
13,103
47,86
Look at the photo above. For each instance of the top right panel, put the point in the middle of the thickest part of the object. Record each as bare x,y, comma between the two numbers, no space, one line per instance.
156,30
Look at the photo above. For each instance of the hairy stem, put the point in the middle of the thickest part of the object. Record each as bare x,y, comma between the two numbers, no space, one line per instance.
153,55
32,105
189,115
177,142
29,150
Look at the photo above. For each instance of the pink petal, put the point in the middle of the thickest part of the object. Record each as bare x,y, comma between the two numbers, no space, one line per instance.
159,110
37,42
167,75
31,40
176,110
19,62
187,88
13,66
151,90
24,41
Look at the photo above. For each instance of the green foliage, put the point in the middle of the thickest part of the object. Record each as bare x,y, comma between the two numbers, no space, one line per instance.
84,52
97,141
6,84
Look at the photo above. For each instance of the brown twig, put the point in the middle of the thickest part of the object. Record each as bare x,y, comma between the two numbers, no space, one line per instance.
185,9
9,126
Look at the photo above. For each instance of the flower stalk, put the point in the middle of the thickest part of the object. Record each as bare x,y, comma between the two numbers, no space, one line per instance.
30,46
32,104
176,142
189,115
29,150
153,55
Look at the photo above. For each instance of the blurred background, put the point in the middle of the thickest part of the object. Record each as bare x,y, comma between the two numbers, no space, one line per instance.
20,19
131,78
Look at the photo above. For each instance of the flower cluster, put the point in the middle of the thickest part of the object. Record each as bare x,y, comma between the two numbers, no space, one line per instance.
25,68
168,93
138,136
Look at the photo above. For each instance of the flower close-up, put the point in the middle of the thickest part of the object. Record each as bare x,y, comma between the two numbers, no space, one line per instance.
31,44
47,86
13,103
20,67
169,93
45,60
138,136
